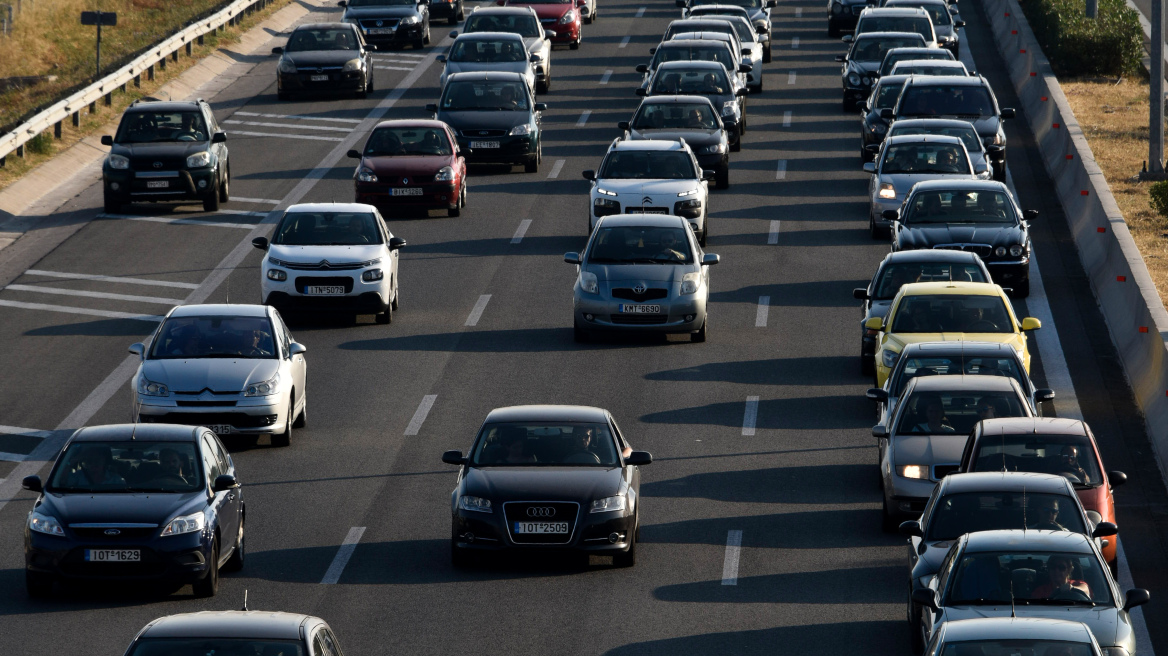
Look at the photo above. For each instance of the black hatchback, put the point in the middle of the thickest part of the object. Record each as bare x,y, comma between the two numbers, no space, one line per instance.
136,502
495,118
324,58
166,151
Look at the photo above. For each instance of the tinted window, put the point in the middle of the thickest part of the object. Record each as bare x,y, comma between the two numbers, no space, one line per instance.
321,39
938,13
936,68
889,92
716,52
147,127
137,466
960,207
488,52
917,24
700,82
1071,456
398,142
648,165
873,49
1018,647
939,158
955,413
477,96
640,245
952,313
970,512
205,646
675,116
1039,578
327,229
941,100
680,27
895,276
892,58
214,337
968,135
539,443
750,4
941,365
525,26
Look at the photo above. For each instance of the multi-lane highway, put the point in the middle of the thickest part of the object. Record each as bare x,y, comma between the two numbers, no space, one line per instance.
761,513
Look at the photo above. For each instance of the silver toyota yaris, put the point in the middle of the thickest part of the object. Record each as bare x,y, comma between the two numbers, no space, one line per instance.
643,273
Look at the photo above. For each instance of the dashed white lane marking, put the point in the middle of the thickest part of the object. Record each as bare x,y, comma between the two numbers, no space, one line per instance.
791,77
477,312
420,414
62,291
795,42
244,213
394,68
31,432
730,564
606,77
798,12
773,237
781,170
583,118
175,221
787,119
750,415
641,12
300,117
295,126
121,279
264,201
625,42
343,555
556,168
764,307
309,137
108,314
521,230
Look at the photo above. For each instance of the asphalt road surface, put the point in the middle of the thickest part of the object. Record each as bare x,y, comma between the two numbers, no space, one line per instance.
759,536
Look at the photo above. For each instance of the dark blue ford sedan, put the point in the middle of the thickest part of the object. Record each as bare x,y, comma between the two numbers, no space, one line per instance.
136,502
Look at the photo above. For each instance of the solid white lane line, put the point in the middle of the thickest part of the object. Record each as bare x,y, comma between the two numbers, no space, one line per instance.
583,118
265,201
773,237
730,564
390,60
795,42
521,230
750,415
394,68
244,213
31,432
108,314
301,117
62,291
791,77
294,126
121,279
641,12
477,312
781,170
11,457
167,219
787,119
798,12
343,555
764,306
420,414
556,168
606,77
625,42
310,137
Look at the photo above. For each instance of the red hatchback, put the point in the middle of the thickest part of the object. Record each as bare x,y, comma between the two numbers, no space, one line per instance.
414,164
559,16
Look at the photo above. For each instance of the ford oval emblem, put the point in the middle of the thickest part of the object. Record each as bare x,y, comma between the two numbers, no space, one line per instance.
157,165
112,531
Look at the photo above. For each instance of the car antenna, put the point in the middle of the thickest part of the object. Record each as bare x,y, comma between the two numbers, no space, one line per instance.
245,597
1023,520
1012,615
134,431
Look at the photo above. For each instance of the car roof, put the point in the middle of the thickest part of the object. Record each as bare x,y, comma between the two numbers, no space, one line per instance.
959,347
220,309
230,624
931,255
933,122
700,19
643,221
163,105
902,3
676,100
695,43
547,413
962,383
324,26
705,36
949,80
991,481
955,287
647,144
126,432
893,11
952,63
338,207
1016,628
503,11
1034,425
482,36
888,35
709,9
486,75
1027,540
920,49
965,185
713,65
924,138
405,123
889,79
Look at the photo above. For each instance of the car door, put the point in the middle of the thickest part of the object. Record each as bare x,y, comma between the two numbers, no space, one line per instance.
232,514
632,473
220,511
218,149
296,365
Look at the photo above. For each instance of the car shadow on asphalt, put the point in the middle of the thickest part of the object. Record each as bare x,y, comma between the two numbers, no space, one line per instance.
815,485
799,413
526,340
887,637
98,328
813,293
852,585
815,371
857,528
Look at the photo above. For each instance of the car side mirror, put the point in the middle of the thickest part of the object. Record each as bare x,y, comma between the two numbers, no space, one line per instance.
278,50
454,34
994,148
260,243
958,23
708,175
911,529
1136,597
841,58
1104,530
622,125
890,215
441,59
875,323
746,53
107,140
860,293
639,458
1030,214
710,259
872,148
588,174
395,243
877,394
925,597
1044,394
979,169
372,47
581,3
353,154
138,349
453,458
771,4
745,68
869,167
642,68
431,107
1116,477
296,348
653,50
32,483
219,137
742,92
572,257
533,59
541,107
887,114
847,38
1030,323
224,482
548,34
642,91
1007,112
879,431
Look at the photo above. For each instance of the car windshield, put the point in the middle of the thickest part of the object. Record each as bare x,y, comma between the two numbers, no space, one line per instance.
1020,647
967,134
946,100
548,444
127,466
715,52
969,512
742,29
216,647
955,413
925,157
1070,456
936,68
327,229
543,2
896,276
402,142
488,51
675,116
749,4
1029,578
893,58
918,24
503,96
639,245
887,94
938,12
152,126
693,26
523,25
700,82
307,39
960,207
940,365
648,165
873,49
182,338
952,313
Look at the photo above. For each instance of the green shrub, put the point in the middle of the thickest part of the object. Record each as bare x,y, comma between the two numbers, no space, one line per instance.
41,144
1111,44
1158,197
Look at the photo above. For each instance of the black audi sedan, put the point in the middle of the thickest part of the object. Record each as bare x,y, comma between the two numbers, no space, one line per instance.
396,22
324,57
136,503
708,79
971,215
551,477
860,65
166,151
692,118
495,118
236,632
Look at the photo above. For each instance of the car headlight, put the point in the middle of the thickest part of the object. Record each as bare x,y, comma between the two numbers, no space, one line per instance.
1000,251
913,471
147,387
837,8
278,275
568,17
44,524
712,150
185,524
521,130
867,80
372,275
854,79
265,387
879,128
366,175
588,283
609,504
445,174
887,190
409,20
1016,250
691,192
889,358
354,65
691,282
286,66
199,160
118,161
476,504
730,108
605,192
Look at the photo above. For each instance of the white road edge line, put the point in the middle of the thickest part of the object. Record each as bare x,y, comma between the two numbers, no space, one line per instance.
641,12
583,118
343,555
394,68
781,170
108,314
267,201
791,77
556,168
177,221
750,416
730,564
420,414
764,307
625,42
64,291
267,124
773,237
521,231
300,117
787,118
476,313
606,77
119,279
11,457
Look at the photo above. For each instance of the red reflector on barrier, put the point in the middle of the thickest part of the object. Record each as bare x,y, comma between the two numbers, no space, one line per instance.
1100,229
1084,193
1013,31
1070,157
1121,279
1044,100
1143,329
1007,13
1056,126
1032,74
1022,51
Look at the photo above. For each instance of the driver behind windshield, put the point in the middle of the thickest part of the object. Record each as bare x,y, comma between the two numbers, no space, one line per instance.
1059,582
95,467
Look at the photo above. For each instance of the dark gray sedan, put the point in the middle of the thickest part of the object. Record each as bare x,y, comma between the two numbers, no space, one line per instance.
693,118
236,632
703,78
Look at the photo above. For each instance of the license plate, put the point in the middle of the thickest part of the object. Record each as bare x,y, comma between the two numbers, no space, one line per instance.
541,527
318,78
157,184
113,555
220,429
380,30
639,309
484,144
408,191
324,290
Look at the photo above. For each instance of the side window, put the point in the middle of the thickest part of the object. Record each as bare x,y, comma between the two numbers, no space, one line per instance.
284,336
620,438
330,642
222,456
318,646
946,570
928,513
210,461
210,117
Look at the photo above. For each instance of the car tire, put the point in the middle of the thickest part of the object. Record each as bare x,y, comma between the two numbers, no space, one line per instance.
700,335
628,557
426,34
225,186
38,585
533,165
867,366
211,201
542,87
369,87
285,438
420,43
453,20
282,96
736,146
385,317
208,586
1022,288
579,335
722,178
302,418
239,554
875,231
588,19
110,204
832,30
460,558
766,56
457,209
887,521
1000,174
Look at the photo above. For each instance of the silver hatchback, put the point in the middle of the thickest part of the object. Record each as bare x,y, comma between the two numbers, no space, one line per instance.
641,273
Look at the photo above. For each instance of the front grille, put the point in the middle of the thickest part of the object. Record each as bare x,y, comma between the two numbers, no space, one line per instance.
472,134
143,163
124,533
205,404
308,70
323,265
372,23
304,281
941,471
856,9
983,250
645,210
640,319
632,295
236,419
562,511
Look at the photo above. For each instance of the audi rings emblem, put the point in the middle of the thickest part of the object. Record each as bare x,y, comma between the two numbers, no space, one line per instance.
157,165
112,531
541,511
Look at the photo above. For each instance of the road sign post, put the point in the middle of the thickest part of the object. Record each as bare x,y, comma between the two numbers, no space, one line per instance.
99,18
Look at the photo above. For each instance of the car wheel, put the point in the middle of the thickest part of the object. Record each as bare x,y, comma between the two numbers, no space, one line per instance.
914,625
285,438
700,335
302,418
1000,173
281,96
1022,288
209,584
457,209
847,106
832,30
225,187
541,87
211,201
722,178
386,316
239,554
369,86
38,585
705,234
627,558
766,56
887,521
736,146
420,43
426,35
533,165
873,229
110,203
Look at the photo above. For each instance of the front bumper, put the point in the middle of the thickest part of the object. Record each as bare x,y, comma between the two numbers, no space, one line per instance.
856,95
590,532
679,314
511,150
565,34
1006,272
403,35
189,184
346,81
714,161
260,415
442,195
174,559
370,302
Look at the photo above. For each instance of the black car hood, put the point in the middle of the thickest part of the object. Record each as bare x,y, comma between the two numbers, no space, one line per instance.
929,562
927,236
164,149
399,11
692,137
486,120
535,483
135,508
863,68
307,58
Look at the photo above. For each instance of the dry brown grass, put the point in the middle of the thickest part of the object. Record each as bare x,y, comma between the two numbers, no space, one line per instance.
1114,118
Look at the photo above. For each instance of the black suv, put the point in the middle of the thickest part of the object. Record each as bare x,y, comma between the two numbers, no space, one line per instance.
165,151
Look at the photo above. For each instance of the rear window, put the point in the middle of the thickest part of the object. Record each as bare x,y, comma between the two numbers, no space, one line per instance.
918,24
679,27
1070,456
926,157
968,134
938,13
873,49
893,58
941,365
969,512
889,92
896,276
700,82
946,100
955,413
525,26
715,52
675,116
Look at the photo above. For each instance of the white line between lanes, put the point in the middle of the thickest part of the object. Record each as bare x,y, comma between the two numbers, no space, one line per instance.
583,118
477,312
310,137
641,12
556,168
244,213
31,432
108,314
521,230
420,414
750,416
764,307
294,126
326,119
394,68
167,219
798,12
773,237
795,42
791,77
606,77
625,42
781,170
11,457
63,291
787,119
730,564
121,279
343,555
266,201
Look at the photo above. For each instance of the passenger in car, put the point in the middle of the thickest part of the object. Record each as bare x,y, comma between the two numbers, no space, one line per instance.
1059,581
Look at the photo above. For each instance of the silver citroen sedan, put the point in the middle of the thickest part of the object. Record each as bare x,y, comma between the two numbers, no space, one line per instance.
641,273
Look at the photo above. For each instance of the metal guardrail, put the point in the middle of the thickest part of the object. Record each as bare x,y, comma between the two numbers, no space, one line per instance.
71,107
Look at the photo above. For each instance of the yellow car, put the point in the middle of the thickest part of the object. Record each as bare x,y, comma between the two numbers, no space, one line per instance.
946,312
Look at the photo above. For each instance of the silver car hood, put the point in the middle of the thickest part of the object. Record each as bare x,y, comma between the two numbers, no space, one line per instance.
317,254
647,187
216,374
1104,622
635,273
928,449
902,182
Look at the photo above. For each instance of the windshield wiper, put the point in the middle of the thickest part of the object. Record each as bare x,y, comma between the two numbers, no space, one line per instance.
1061,602
969,116
981,602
